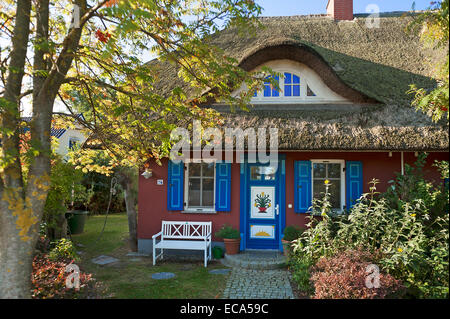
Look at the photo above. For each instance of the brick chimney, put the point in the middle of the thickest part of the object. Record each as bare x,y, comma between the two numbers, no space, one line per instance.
340,9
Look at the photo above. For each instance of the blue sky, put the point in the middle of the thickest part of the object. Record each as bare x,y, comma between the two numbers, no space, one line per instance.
301,7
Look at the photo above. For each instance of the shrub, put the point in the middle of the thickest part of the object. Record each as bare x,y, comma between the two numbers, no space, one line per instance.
411,238
228,232
343,276
292,232
64,250
412,186
300,267
48,280
65,186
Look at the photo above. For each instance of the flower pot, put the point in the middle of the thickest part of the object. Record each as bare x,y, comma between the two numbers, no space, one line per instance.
232,246
262,209
286,247
76,220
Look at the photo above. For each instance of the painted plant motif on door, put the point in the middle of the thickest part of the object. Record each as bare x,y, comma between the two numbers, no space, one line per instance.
262,201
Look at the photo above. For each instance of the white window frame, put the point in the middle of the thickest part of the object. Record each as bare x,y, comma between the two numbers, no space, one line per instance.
324,94
197,209
303,89
343,188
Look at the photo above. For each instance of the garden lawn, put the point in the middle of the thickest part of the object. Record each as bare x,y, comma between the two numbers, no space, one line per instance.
131,276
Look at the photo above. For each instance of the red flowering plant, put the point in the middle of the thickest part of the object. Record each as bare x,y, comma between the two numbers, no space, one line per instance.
345,276
48,280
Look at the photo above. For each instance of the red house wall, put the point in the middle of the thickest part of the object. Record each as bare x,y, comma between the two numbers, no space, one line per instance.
152,198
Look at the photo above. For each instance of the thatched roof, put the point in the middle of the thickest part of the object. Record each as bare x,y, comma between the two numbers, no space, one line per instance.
366,65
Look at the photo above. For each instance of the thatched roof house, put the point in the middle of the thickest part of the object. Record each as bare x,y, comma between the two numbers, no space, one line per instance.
343,119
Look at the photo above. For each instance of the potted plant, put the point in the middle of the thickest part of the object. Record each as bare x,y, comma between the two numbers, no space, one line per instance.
291,233
231,238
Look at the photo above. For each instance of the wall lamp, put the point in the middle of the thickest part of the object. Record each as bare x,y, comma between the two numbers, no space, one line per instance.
147,173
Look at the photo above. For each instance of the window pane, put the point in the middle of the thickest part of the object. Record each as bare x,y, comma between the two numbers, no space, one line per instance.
274,90
295,79
194,169
319,188
258,173
309,92
287,78
255,175
208,192
334,170
208,169
296,90
335,194
319,170
267,90
194,192
275,93
334,188
269,172
287,90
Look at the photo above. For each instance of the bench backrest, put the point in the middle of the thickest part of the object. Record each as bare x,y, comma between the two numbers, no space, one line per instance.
185,230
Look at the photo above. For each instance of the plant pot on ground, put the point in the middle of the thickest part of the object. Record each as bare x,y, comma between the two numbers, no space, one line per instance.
291,233
231,238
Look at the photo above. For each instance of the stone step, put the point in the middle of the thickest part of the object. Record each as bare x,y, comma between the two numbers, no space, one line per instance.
259,260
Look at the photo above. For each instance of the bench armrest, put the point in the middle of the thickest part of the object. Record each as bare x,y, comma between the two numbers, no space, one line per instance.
156,235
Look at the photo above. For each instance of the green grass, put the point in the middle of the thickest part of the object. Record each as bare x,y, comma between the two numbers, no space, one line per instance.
132,279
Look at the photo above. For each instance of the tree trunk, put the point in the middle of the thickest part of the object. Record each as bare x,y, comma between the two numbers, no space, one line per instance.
126,180
16,251
16,258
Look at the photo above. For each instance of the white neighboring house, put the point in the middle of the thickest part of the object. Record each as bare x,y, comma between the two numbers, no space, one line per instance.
67,137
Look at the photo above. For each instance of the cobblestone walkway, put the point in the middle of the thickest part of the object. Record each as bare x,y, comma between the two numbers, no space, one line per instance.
258,284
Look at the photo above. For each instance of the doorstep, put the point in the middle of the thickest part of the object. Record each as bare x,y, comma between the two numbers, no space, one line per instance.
256,259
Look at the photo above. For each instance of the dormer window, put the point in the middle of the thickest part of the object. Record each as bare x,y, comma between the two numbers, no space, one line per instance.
297,84
290,87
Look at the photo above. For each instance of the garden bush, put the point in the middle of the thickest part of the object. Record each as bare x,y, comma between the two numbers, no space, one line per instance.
63,250
344,275
292,232
410,232
300,267
65,190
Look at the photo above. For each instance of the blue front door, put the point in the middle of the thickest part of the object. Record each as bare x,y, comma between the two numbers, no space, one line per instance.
262,209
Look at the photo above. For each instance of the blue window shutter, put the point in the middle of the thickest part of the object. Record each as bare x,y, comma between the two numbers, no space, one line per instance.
354,182
175,192
223,187
302,184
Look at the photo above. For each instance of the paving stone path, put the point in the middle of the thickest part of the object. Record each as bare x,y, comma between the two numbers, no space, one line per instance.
258,284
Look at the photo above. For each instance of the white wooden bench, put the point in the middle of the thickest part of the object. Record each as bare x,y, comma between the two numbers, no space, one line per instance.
184,236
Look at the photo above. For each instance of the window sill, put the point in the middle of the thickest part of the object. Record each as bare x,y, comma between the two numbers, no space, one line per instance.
195,211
